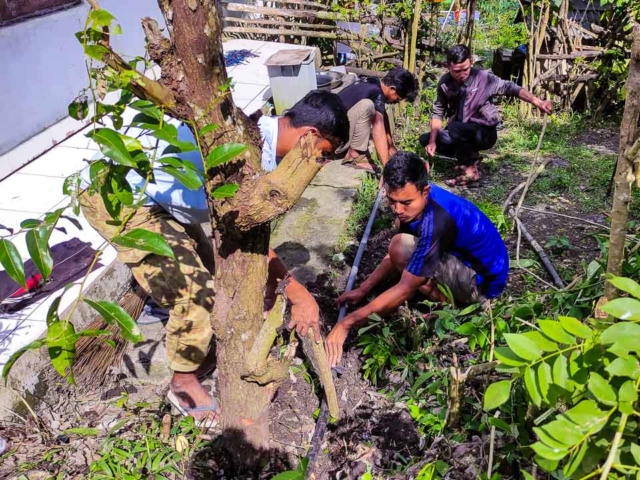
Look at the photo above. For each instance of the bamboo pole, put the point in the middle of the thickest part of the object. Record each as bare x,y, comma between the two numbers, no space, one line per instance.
305,3
414,35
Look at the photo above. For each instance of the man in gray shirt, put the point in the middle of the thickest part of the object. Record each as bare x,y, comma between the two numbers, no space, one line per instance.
464,98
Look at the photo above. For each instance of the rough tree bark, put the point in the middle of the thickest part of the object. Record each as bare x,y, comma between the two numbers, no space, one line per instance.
624,169
191,88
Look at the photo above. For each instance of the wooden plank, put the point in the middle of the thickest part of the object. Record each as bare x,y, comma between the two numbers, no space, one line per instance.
305,3
570,56
284,31
277,23
281,12
363,72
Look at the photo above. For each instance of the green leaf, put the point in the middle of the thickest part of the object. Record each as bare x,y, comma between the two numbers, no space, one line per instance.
290,475
564,431
12,262
575,327
14,358
112,312
497,394
575,460
624,367
586,415
79,108
544,380
145,240
561,372
212,127
501,424
624,334
532,387
522,346
101,18
30,223
188,178
122,189
601,389
130,143
169,133
546,464
628,392
541,341
145,121
548,452
61,342
466,328
223,154
82,432
526,475
548,440
623,308
97,52
626,285
39,252
635,451
150,109
506,356
52,313
225,191
112,146
555,332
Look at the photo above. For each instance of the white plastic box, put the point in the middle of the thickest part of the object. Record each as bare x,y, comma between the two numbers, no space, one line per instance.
292,74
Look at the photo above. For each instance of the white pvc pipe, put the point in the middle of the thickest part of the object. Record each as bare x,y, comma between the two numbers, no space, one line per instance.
363,245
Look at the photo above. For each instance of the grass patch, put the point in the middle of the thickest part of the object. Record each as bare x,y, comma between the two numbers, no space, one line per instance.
360,211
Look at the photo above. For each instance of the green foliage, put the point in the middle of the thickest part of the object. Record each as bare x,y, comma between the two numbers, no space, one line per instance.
297,474
592,369
497,28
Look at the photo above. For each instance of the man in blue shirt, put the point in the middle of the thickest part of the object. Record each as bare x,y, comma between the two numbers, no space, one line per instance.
443,239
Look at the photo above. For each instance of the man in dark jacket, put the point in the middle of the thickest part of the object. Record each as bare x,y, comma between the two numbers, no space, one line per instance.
464,98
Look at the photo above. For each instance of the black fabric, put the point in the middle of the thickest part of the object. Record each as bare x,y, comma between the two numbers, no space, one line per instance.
462,140
71,259
463,98
369,88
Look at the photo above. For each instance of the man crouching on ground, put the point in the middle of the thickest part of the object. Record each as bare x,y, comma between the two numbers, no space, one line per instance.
443,239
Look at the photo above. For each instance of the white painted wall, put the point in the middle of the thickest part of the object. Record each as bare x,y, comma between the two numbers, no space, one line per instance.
42,68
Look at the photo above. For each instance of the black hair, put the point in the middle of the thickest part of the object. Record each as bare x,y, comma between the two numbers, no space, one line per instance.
405,84
324,111
403,168
458,54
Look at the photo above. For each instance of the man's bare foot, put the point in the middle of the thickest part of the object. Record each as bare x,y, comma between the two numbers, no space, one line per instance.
191,394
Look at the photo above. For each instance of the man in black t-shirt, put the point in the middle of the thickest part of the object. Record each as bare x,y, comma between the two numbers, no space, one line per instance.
365,103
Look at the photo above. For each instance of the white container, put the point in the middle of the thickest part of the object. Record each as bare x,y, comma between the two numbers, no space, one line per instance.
292,74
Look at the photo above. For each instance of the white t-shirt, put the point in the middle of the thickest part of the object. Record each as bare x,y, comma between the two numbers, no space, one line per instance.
185,205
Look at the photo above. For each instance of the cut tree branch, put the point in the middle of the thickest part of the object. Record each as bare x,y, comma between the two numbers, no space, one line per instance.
260,200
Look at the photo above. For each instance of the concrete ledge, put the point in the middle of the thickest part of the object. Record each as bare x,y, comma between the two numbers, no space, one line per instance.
26,375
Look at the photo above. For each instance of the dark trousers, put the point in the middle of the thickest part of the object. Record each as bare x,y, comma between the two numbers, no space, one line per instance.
463,141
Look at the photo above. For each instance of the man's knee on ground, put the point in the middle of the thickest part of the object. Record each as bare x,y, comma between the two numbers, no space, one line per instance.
399,251
424,139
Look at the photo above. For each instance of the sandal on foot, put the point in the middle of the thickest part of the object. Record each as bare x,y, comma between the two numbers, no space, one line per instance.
206,422
462,181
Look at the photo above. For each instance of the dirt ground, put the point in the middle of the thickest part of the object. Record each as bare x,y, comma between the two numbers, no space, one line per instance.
373,430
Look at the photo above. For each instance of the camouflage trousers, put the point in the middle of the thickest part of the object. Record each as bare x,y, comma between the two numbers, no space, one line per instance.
184,286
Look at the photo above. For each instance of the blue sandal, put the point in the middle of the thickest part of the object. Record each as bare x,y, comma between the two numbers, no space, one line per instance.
206,422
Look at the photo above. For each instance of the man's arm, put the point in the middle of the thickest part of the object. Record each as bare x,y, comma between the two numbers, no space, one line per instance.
383,304
380,138
381,272
542,105
387,127
510,89
305,312
439,108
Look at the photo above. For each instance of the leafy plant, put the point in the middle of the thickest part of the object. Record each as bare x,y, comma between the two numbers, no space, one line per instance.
586,376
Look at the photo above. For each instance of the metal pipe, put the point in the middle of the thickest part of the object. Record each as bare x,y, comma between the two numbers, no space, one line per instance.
361,249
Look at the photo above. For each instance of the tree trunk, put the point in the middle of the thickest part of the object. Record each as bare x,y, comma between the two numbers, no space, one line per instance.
193,70
415,25
624,169
471,20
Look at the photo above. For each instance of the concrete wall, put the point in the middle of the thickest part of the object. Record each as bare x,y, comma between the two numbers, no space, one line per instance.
42,66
